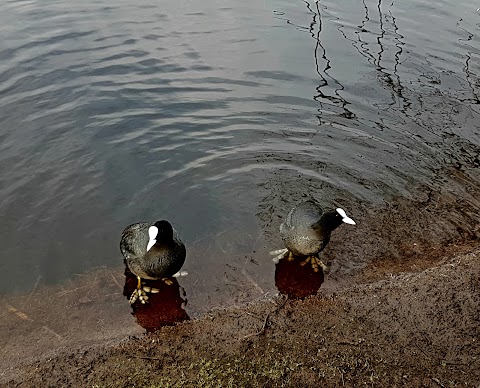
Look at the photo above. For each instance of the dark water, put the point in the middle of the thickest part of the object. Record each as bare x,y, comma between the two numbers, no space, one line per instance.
219,116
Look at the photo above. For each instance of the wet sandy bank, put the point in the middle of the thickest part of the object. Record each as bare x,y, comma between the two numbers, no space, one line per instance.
382,327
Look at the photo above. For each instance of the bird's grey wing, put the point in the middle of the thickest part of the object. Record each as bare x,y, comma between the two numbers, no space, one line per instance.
305,214
134,240
176,236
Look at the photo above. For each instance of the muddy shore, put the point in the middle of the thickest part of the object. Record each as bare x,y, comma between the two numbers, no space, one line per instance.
415,326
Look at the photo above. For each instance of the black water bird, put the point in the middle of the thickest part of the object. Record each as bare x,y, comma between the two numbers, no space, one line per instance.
152,250
306,232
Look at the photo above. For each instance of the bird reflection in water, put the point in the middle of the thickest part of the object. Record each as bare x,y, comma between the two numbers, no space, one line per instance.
295,280
164,308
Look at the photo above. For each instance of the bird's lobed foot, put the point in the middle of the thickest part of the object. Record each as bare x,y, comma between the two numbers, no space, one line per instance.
281,253
316,263
180,273
151,290
290,256
306,261
167,281
141,294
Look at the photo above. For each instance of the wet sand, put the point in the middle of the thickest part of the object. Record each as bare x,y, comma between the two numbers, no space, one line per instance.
415,324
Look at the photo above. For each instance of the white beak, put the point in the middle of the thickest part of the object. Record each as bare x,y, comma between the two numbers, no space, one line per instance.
345,218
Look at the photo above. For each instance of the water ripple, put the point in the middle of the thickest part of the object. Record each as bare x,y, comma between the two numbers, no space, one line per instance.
115,113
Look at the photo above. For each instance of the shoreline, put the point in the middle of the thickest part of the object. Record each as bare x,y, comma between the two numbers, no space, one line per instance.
383,327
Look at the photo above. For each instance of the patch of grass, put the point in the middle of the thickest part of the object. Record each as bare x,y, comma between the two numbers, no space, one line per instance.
230,372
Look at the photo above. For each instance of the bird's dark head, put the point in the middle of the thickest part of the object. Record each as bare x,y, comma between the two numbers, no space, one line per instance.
159,231
165,229
333,219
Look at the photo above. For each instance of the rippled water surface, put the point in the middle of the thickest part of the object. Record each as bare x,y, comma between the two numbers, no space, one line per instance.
221,115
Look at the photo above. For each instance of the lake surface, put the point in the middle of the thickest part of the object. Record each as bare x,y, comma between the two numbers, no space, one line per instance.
221,115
